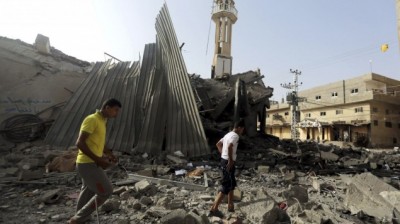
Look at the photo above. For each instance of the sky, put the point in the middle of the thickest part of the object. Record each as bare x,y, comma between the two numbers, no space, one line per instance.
327,41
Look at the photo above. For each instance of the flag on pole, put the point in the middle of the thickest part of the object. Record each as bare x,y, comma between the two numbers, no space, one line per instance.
384,47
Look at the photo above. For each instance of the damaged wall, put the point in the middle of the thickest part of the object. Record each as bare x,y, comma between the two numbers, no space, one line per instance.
31,81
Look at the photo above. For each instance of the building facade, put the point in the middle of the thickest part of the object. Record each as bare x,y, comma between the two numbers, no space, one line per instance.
365,109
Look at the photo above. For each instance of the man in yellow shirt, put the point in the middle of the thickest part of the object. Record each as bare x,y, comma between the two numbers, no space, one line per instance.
90,162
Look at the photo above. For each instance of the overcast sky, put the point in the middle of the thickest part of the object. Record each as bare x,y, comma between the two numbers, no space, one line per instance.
327,41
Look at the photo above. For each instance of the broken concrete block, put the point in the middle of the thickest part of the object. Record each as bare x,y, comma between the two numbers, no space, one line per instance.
282,168
42,44
296,192
177,160
206,197
352,162
142,186
289,176
111,204
125,195
30,163
176,216
363,194
316,184
146,172
373,165
175,204
393,197
11,172
157,212
52,196
329,156
261,211
27,175
119,190
263,169
146,200
192,217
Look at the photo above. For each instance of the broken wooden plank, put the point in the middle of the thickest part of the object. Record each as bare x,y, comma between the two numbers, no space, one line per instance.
133,178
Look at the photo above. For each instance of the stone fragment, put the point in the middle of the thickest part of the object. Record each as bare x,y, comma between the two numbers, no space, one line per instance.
263,169
329,156
146,200
27,175
111,204
174,217
363,194
296,192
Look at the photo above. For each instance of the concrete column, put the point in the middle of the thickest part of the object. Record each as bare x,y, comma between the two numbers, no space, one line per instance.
223,35
217,35
229,38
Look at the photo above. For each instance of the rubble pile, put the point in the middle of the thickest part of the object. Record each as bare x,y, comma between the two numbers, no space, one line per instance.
278,182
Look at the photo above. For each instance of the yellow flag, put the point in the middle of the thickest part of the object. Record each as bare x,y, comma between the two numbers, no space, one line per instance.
384,47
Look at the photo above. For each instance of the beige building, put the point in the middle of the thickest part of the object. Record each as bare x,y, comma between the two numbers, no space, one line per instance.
364,109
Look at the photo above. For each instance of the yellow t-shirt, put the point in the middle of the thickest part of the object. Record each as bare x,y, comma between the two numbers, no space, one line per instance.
95,125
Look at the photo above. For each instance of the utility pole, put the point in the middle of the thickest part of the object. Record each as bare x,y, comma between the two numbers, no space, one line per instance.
293,100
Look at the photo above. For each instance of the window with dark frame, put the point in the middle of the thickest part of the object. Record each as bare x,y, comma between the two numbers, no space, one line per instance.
388,124
358,109
354,90
323,113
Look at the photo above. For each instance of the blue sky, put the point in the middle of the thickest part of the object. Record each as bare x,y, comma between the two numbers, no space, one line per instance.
326,40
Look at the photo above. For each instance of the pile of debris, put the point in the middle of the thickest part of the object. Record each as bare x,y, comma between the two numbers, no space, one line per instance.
275,185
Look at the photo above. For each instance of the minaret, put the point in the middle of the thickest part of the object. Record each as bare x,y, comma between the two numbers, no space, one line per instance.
224,15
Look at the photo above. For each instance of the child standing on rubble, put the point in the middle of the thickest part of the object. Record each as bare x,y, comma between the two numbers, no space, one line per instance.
90,162
227,147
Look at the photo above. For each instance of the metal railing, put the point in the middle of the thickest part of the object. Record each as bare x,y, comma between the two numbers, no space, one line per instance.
225,7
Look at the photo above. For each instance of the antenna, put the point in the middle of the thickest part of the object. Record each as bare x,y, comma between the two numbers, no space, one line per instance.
209,27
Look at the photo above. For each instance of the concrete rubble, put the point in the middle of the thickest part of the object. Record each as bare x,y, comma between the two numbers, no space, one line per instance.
276,184
279,181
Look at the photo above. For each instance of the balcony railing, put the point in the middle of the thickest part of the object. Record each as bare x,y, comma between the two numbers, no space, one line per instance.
225,7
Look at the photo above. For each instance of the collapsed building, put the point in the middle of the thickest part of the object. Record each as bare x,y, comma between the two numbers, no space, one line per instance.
46,94
164,108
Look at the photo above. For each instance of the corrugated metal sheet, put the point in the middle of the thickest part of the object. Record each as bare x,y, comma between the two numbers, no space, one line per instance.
105,81
173,111
159,111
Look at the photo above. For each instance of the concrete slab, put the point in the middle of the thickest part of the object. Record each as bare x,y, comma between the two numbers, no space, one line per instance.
363,194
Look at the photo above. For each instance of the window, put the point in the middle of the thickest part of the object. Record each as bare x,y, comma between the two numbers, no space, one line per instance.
339,111
376,123
388,124
267,115
387,111
394,140
309,115
334,94
375,110
323,113
354,90
358,109
318,97
286,113
399,125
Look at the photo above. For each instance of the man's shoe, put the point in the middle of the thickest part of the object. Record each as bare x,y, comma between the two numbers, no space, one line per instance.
216,213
